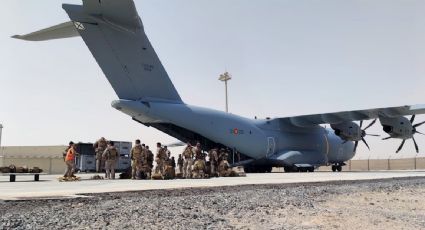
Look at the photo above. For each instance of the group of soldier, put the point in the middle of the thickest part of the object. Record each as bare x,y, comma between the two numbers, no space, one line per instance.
192,163
106,157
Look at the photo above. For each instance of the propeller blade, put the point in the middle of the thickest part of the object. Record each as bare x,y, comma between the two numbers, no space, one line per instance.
372,123
416,145
400,147
386,138
419,124
364,141
355,146
373,135
420,133
412,118
361,124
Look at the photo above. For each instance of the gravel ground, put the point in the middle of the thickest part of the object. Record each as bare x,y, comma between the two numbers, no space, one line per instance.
378,204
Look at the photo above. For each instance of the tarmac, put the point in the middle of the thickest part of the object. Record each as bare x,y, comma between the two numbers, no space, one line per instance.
50,188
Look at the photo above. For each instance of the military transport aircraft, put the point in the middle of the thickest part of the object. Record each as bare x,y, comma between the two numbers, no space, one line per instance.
114,33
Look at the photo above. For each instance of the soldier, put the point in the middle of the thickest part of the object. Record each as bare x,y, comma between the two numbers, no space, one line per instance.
136,160
168,155
146,168
223,166
150,157
99,147
111,156
173,165
199,165
70,160
180,163
188,161
160,159
213,155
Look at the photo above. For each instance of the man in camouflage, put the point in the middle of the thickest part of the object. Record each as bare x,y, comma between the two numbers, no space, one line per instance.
99,147
188,161
146,168
150,157
161,157
223,166
136,160
111,156
199,165
213,155
180,164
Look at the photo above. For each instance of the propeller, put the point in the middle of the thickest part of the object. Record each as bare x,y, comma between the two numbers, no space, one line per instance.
364,134
414,131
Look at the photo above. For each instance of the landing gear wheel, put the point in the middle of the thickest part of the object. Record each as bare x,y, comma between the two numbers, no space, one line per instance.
339,168
310,169
333,168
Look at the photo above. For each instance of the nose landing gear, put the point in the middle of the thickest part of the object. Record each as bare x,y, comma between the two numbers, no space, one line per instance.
337,167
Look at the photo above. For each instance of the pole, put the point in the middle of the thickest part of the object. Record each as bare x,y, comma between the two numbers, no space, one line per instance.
1,129
227,103
225,77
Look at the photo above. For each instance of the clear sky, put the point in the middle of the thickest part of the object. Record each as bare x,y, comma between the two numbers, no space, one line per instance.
287,57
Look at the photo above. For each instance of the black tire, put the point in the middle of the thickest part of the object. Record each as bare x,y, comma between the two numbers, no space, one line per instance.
303,169
310,169
339,168
333,168
288,169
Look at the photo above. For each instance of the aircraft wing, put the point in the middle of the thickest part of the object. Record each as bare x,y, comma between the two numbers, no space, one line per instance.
356,115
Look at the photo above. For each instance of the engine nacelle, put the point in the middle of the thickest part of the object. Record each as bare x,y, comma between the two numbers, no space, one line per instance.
399,127
348,131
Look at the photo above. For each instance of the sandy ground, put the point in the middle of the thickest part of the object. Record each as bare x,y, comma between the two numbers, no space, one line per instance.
377,204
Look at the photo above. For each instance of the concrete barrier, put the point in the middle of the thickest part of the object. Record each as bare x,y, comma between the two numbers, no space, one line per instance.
377,164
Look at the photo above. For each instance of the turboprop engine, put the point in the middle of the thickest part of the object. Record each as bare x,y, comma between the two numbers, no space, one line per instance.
350,131
401,128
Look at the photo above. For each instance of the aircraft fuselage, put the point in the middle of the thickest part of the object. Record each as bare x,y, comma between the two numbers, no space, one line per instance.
267,140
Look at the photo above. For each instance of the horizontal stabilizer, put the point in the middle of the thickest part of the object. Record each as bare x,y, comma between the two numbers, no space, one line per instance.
63,30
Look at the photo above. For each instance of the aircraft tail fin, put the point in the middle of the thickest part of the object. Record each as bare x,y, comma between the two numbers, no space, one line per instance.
114,33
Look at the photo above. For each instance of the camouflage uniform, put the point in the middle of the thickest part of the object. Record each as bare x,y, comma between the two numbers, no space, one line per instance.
150,158
213,155
199,165
223,166
99,148
188,161
146,168
111,156
161,157
136,161
180,163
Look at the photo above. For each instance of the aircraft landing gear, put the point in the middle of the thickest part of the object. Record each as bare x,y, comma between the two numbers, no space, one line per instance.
337,167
